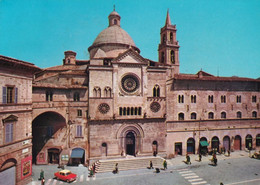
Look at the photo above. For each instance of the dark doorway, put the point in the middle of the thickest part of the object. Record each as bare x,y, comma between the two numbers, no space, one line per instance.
249,142
130,143
203,147
53,156
178,148
155,148
215,144
190,146
237,143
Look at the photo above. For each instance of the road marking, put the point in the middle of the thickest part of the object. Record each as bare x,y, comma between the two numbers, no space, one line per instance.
61,182
184,169
193,180
81,178
242,182
87,178
191,177
187,174
202,182
94,178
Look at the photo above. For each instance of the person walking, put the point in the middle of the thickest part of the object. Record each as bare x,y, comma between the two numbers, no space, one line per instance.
188,159
41,175
164,164
43,181
116,169
151,165
200,157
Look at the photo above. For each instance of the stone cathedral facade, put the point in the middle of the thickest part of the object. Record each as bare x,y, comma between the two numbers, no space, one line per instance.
118,103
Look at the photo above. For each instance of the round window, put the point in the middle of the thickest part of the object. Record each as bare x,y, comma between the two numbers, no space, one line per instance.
103,108
155,106
130,83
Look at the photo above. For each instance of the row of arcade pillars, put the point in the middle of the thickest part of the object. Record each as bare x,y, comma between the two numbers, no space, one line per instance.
205,146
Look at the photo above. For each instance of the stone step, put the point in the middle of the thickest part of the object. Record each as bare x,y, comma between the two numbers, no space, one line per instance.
128,164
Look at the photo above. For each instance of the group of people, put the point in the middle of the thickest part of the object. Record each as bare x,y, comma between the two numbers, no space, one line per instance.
92,170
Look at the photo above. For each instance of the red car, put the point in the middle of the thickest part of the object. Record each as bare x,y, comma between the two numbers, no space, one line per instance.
65,175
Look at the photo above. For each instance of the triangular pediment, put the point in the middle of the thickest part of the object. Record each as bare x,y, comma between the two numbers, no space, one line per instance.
10,118
130,56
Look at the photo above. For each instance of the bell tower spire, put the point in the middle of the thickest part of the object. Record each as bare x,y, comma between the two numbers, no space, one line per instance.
168,50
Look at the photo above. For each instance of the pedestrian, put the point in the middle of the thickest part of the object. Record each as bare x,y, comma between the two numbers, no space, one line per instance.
41,175
151,165
164,164
116,169
188,159
200,157
43,181
228,153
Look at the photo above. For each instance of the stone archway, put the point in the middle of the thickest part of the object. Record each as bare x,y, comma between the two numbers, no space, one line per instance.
44,129
130,136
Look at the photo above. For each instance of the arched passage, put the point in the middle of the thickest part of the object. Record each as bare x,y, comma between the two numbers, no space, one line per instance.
8,172
226,143
258,140
45,127
237,143
249,142
190,146
130,143
203,148
215,143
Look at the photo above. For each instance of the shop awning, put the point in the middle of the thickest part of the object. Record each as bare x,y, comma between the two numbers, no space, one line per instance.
77,153
204,143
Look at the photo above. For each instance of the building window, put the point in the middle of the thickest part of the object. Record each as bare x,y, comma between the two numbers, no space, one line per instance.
79,111
107,92
97,92
253,99
76,96
171,37
254,114
210,99
79,131
239,114
223,115
181,99
181,116
238,99
193,98
164,39
9,129
10,95
156,91
223,99
162,57
193,115
211,115
172,57
126,111
49,96
115,22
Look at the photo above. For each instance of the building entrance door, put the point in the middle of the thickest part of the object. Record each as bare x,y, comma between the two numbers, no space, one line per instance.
237,143
53,156
130,143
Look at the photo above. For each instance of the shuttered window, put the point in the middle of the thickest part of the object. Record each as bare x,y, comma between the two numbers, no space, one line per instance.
8,132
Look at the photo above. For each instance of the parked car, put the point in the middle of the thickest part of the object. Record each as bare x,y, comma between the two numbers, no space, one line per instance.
65,175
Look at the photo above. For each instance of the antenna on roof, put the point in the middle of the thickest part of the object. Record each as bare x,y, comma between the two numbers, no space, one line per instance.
114,8
218,72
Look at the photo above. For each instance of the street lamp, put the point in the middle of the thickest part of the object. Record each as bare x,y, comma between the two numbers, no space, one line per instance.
69,123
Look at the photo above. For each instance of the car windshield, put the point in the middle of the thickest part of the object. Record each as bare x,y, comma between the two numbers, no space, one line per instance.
68,173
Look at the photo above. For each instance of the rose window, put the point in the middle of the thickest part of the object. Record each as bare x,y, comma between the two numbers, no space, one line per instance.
155,106
130,83
103,108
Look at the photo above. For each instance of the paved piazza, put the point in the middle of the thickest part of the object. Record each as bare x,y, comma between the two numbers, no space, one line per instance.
237,169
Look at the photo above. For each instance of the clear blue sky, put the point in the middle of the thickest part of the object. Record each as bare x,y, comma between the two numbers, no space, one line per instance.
221,37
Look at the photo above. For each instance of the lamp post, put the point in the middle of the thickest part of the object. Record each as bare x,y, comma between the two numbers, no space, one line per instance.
69,123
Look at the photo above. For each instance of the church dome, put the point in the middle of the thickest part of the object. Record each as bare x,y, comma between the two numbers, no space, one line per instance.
112,40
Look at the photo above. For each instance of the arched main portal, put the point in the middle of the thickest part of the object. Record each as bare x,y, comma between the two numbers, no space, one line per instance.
130,143
44,128
249,142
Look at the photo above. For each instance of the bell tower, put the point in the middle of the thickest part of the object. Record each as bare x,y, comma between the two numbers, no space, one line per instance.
169,46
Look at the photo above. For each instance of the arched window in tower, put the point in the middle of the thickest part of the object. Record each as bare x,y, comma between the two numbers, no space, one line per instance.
171,37
162,57
172,57
156,91
164,39
76,96
97,92
107,92
115,22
